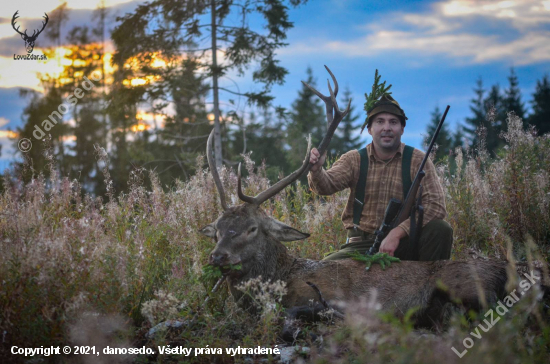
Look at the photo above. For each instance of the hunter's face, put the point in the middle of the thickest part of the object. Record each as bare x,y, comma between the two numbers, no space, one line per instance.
386,131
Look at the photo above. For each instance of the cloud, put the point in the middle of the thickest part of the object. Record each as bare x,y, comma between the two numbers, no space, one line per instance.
472,32
3,121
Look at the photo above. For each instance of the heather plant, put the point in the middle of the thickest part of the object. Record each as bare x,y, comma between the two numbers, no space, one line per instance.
68,258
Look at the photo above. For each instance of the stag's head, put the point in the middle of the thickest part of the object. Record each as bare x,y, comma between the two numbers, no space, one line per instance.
29,39
245,234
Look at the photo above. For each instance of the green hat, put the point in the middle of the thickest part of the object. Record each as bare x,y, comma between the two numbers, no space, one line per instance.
379,100
386,104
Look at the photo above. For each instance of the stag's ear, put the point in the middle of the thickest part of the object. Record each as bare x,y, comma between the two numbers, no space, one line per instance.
209,231
283,232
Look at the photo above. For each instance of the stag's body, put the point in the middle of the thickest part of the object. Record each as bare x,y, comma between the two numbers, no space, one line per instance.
404,285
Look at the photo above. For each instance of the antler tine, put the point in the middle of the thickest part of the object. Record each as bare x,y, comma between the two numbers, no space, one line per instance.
337,112
44,23
326,99
314,90
13,19
214,171
279,186
242,196
333,122
333,80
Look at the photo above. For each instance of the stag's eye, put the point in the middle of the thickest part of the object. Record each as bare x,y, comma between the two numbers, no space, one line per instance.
252,230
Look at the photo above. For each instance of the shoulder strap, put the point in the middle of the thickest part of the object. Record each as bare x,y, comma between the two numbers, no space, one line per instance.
406,170
359,200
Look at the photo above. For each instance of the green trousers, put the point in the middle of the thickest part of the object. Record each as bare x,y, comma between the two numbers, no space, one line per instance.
434,244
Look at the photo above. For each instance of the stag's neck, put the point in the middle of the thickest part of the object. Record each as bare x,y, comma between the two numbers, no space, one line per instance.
272,263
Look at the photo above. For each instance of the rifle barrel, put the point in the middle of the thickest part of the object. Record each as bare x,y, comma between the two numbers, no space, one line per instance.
408,202
434,138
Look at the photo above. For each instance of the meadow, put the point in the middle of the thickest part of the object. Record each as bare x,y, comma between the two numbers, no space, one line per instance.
95,271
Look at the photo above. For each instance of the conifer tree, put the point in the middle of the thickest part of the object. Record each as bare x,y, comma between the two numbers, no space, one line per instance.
174,27
344,139
540,117
488,119
444,139
512,98
458,137
495,119
307,117
477,108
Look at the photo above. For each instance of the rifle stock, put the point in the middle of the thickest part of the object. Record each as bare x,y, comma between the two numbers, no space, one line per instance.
407,207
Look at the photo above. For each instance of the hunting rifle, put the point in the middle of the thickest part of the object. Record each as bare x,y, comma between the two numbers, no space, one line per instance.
397,211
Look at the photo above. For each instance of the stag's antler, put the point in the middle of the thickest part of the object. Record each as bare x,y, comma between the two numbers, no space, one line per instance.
334,116
13,24
34,34
43,25
212,166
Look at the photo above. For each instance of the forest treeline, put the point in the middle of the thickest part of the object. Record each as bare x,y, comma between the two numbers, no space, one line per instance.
158,97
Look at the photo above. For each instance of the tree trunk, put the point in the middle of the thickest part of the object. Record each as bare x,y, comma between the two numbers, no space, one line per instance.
217,128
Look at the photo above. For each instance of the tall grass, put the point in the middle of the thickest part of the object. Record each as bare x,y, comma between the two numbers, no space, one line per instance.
72,263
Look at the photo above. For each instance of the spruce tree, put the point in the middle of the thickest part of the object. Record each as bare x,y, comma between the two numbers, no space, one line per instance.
495,119
344,139
444,139
488,119
89,128
307,117
477,108
458,137
540,117
264,137
512,98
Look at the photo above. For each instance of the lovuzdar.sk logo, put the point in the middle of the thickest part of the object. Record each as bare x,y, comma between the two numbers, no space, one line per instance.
29,39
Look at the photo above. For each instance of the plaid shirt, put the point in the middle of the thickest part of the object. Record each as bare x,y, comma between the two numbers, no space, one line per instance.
384,181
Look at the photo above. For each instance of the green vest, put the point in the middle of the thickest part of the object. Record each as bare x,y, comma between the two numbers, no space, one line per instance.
359,200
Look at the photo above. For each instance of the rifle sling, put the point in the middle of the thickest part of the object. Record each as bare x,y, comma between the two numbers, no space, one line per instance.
359,200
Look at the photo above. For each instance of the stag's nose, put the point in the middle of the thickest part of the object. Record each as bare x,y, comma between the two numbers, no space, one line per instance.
218,259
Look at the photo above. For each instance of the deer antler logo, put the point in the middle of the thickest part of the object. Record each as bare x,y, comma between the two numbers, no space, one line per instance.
29,40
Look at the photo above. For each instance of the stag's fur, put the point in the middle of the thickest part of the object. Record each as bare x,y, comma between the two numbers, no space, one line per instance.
428,286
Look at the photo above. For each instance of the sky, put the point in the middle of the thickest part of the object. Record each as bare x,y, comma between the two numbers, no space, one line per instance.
432,52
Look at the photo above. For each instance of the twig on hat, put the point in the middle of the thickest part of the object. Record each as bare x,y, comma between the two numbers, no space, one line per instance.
378,90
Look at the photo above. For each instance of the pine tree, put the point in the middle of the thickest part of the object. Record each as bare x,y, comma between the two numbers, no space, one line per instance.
512,98
307,117
444,140
540,117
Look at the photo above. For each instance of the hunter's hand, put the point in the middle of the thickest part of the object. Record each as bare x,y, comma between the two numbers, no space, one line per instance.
316,160
391,242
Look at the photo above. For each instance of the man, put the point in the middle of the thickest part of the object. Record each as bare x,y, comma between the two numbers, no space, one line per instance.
386,123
